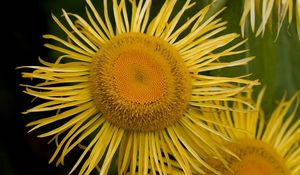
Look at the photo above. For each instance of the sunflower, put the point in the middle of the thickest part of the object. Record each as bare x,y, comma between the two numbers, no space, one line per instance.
261,147
128,90
266,9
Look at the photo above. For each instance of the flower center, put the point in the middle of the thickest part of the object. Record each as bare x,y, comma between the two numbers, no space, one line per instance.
138,77
253,165
140,82
256,157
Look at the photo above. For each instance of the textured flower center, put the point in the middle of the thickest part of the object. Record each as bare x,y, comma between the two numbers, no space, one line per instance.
254,165
256,158
140,82
139,78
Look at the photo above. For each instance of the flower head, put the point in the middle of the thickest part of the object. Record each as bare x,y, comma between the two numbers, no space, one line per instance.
262,147
132,87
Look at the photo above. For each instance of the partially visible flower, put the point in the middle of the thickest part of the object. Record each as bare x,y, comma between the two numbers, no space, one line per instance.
261,147
265,10
132,87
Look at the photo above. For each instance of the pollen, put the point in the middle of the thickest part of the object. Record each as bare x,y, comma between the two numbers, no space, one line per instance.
140,82
255,157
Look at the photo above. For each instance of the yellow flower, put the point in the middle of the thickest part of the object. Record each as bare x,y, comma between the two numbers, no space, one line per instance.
266,9
262,148
132,87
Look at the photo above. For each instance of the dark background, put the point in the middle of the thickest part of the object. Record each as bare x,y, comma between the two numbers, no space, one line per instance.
23,23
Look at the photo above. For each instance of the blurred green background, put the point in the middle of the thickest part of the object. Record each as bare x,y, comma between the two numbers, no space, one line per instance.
277,65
